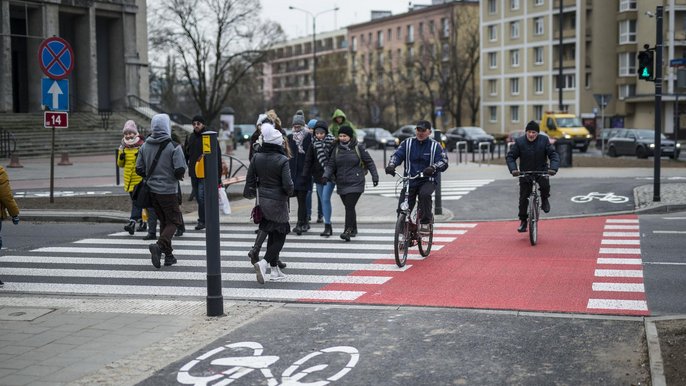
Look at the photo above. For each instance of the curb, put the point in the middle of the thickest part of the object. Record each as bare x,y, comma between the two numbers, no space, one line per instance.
657,370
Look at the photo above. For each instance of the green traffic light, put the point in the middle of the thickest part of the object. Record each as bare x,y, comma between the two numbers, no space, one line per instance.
645,73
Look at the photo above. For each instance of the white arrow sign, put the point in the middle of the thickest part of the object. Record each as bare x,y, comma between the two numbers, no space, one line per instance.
55,91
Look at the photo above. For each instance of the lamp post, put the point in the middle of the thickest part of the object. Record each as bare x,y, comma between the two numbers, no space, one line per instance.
314,52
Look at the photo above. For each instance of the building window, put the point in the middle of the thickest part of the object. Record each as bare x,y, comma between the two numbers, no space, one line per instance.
493,113
514,58
627,31
445,27
538,112
492,60
446,52
538,26
410,33
588,80
538,2
538,55
410,54
354,44
514,30
379,39
514,113
432,27
626,91
627,5
569,82
420,29
514,5
492,6
390,35
492,33
514,86
627,64
399,34
492,87
538,84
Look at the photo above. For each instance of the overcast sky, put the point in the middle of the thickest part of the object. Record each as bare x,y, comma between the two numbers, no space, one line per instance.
297,23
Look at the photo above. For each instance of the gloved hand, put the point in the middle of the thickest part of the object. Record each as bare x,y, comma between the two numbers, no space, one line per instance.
552,172
516,173
15,220
376,183
429,171
390,170
122,156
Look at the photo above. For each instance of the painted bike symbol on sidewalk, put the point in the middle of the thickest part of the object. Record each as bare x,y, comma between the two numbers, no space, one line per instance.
607,197
226,370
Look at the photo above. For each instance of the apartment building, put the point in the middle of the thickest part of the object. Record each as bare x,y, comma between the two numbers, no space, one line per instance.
520,67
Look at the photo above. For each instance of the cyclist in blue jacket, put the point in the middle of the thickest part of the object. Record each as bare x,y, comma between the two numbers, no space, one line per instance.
420,154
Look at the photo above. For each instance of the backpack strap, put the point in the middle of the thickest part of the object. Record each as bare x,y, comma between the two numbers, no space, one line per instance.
163,145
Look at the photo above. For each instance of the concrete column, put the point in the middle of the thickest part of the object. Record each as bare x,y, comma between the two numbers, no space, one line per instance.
6,105
35,74
142,50
85,75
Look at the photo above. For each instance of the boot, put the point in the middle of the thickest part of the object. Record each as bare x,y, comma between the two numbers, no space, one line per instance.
522,226
298,230
346,234
320,219
353,231
150,236
142,226
254,253
306,226
169,260
131,227
276,274
280,264
327,231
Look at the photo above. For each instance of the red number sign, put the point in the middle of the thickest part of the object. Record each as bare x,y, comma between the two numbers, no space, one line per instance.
57,119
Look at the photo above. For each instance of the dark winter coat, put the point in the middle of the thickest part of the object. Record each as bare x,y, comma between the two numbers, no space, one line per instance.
270,166
297,163
192,150
533,156
346,170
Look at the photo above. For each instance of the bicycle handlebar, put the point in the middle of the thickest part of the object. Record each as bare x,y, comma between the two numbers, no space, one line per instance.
420,175
533,173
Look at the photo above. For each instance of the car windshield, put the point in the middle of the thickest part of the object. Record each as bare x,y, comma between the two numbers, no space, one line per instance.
569,122
647,134
247,130
474,131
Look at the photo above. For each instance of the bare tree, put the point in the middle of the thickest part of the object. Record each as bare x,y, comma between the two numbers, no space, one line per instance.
217,42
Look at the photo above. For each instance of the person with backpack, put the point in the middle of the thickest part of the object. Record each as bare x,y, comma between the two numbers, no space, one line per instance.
347,166
315,163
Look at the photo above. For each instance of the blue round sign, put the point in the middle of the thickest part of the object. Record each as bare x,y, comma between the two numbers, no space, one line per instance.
56,58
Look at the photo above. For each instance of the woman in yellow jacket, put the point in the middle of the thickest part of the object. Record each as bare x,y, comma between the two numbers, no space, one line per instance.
126,159
8,207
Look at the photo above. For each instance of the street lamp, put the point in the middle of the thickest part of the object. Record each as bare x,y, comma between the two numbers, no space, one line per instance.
314,51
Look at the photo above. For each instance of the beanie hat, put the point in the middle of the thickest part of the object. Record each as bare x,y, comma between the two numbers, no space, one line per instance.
347,130
299,118
320,125
533,126
260,119
130,127
311,124
198,118
271,135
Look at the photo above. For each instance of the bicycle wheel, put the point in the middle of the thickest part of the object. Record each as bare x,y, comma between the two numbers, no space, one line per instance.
425,242
533,220
401,242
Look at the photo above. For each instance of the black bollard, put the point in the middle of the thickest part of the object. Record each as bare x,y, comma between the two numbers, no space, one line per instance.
116,167
215,300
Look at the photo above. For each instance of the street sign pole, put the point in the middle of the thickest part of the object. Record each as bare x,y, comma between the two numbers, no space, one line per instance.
52,166
657,153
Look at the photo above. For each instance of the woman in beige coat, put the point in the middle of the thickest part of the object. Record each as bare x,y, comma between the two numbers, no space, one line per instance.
8,207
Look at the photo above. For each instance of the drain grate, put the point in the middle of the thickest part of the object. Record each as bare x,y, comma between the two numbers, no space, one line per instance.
20,314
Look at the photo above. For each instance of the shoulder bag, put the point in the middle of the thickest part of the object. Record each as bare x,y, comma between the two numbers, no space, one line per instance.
141,193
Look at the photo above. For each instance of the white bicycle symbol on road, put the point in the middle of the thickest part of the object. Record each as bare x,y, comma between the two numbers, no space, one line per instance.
238,366
608,197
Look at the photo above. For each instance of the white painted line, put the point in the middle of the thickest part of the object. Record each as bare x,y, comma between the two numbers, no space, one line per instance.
454,225
619,287
614,304
228,230
167,274
670,232
621,227
264,292
444,190
657,263
619,261
309,236
621,234
674,218
450,198
622,221
621,251
620,242
618,273
292,265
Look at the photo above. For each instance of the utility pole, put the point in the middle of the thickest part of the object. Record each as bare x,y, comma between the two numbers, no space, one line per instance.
657,152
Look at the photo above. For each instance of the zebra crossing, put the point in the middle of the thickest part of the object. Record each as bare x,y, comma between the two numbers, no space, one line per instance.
119,264
450,190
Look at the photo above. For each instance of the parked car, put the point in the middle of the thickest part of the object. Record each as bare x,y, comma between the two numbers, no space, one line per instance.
513,135
641,143
243,132
606,134
407,131
471,134
378,138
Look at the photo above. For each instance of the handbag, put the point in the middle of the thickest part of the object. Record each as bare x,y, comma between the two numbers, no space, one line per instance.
141,193
256,212
224,205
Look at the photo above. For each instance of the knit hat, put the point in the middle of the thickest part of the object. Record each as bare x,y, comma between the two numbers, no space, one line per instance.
299,118
271,135
320,125
130,127
311,124
199,118
261,119
533,126
347,130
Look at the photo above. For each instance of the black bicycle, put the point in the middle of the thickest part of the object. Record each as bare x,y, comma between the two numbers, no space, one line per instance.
406,233
534,203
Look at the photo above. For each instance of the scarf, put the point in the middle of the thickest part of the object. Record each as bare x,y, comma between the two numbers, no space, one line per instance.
135,142
323,148
298,137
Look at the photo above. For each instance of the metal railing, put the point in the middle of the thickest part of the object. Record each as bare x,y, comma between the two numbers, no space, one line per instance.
8,144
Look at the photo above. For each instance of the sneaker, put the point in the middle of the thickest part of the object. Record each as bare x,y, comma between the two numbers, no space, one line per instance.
169,260
131,227
261,270
522,227
424,229
150,236
545,205
276,274
200,226
155,254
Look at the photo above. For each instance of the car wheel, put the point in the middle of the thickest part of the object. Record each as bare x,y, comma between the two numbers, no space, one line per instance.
612,152
641,152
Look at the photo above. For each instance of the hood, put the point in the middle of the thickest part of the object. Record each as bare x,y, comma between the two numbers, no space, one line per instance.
160,125
339,113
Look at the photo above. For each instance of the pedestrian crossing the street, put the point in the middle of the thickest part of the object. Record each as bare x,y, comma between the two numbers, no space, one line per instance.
119,264
450,190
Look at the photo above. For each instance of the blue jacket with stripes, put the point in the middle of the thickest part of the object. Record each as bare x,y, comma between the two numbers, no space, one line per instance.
418,155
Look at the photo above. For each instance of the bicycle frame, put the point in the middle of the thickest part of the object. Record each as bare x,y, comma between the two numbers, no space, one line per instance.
406,232
534,203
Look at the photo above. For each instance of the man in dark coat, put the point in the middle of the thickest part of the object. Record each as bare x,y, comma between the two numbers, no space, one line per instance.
533,151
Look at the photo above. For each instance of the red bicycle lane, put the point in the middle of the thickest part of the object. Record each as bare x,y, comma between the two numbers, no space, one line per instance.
492,266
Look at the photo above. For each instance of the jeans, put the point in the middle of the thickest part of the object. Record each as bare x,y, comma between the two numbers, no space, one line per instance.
324,192
136,212
200,198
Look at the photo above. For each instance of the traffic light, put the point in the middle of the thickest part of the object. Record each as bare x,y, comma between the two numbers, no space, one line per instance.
646,65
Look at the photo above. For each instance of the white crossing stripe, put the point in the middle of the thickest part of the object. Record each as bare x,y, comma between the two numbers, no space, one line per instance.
619,261
614,304
620,242
624,221
619,272
670,232
621,234
621,251
619,287
621,227
308,236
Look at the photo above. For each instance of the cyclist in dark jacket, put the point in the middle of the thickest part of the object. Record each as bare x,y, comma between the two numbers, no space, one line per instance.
420,154
533,151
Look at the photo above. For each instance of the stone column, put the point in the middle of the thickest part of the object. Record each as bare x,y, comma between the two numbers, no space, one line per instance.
6,92
85,76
